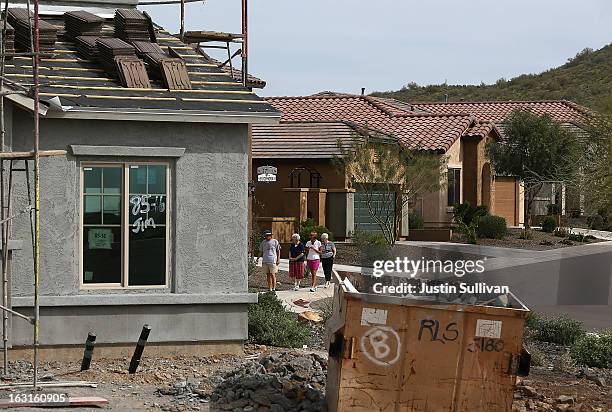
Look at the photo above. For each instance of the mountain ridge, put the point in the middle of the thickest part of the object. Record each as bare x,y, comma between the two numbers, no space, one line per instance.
585,79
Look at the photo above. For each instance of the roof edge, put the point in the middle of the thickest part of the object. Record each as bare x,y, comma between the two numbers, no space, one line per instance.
165,115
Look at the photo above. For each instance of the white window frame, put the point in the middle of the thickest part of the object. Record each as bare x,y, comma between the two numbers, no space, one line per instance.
125,225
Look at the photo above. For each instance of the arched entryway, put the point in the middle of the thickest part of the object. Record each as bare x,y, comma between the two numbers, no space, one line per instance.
486,185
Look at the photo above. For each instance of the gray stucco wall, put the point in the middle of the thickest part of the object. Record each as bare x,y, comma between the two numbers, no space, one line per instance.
208,213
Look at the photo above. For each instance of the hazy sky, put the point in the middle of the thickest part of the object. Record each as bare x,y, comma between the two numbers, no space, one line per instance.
302,47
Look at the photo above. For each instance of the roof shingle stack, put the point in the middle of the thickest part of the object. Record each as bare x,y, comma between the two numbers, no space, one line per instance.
9,41
131,25
82,23
111,48
86,46
47,33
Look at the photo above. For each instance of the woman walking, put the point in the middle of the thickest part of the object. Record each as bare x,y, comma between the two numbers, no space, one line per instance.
328,253
314,258
296,261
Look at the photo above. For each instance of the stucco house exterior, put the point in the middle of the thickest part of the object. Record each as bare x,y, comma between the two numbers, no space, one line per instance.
304,142
144,220
507,188
301,147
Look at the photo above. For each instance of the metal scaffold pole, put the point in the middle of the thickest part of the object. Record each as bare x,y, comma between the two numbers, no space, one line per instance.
36,62
5,212
245,44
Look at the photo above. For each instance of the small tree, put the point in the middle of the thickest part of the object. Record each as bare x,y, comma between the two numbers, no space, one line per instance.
381,169
597,187
536,150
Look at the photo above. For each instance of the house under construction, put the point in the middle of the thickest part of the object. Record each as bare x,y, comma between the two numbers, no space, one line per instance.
143,218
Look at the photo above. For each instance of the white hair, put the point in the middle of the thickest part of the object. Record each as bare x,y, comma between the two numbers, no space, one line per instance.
295,236
324,236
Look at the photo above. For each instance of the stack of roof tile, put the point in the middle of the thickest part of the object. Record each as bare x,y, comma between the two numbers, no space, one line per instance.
172,71
9,41
86,46
132,72
19,19
131,25
82,23
110,48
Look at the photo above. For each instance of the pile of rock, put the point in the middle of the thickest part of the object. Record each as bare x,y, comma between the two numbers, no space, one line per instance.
278,382
527,398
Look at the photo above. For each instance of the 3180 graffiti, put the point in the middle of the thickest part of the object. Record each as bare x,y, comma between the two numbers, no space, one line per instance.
486,345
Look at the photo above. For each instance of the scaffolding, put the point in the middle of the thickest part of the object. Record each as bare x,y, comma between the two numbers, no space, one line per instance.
6,183
32,209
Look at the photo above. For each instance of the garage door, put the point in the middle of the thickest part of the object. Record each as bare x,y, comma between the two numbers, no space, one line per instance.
382,204
506,198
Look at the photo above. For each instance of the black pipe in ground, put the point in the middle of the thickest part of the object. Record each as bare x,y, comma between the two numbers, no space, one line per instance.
89,348
144,335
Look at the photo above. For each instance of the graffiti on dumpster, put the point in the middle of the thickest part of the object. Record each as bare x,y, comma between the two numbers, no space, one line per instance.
486,345
381,345
449,334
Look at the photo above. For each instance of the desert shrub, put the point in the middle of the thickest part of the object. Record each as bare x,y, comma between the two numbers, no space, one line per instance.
555,329
549,224
577,237
372,246
271,324
594,350
308,226
467,217
415,220
491,227
538,358
526,234
561,232
596,222
466,213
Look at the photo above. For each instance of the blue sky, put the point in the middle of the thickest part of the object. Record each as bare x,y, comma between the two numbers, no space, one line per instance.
301,48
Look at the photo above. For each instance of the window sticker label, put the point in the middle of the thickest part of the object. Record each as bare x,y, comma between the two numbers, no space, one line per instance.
100,238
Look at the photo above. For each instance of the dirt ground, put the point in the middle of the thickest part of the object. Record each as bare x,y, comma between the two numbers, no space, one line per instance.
141,392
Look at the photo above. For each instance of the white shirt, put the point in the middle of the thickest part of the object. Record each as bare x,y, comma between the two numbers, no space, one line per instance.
313,253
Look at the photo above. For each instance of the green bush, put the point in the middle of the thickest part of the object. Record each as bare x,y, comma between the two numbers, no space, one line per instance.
466,213
594,350
271,324
415,220
491,227
372,246
596,222
308,226
578,237
556,329
549,224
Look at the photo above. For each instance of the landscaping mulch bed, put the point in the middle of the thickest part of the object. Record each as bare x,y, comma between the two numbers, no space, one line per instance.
539,241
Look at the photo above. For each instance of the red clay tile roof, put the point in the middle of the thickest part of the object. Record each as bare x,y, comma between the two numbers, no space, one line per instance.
559,110
289,140
482,129
418,131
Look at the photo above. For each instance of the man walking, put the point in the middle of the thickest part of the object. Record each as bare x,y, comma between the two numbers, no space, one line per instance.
269,251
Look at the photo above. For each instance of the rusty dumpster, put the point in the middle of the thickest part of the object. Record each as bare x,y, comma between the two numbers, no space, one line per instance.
392,353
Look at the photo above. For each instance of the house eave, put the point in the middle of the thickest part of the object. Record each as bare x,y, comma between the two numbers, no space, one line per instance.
152,115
